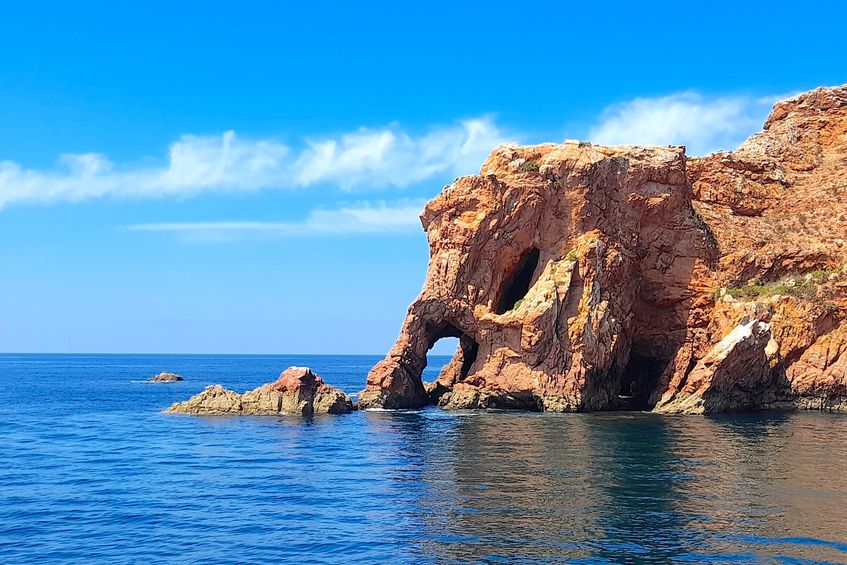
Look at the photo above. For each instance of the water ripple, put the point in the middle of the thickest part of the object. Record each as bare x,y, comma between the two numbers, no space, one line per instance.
92,471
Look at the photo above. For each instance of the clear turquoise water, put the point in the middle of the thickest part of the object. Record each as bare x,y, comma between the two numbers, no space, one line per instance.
92,471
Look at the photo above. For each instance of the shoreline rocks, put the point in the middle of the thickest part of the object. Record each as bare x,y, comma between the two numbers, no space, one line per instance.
297,391
734,375
580,277
166,378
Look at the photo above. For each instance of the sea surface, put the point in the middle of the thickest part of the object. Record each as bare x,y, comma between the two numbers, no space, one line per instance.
91,471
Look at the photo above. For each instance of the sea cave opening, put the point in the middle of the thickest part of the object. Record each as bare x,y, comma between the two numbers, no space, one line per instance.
469,349
639,380
462,348
519,282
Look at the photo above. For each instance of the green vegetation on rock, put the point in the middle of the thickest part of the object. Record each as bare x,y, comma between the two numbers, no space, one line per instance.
529,167
800,286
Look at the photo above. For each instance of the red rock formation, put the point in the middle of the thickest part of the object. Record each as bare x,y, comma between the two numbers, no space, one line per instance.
580,277
297,391
735,374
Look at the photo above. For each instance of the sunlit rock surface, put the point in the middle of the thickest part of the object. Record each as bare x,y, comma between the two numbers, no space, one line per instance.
580,277
297,391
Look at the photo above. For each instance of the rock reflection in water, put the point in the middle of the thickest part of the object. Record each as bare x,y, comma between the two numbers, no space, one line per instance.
632,488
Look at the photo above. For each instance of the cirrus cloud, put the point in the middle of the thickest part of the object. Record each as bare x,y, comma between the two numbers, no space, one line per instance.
368,158
391,156
227,163
381,217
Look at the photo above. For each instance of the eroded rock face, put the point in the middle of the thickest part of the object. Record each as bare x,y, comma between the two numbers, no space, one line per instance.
297,391
735,374
580,277
166,378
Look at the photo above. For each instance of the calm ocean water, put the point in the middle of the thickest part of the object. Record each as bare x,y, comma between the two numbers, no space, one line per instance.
92,471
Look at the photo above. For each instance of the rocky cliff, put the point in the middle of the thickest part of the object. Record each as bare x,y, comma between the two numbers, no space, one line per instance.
580,277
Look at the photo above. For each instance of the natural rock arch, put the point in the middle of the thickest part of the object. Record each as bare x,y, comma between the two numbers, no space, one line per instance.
586,277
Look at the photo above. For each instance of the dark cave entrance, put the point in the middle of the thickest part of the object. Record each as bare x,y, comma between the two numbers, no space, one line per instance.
638,381
469,349
518,283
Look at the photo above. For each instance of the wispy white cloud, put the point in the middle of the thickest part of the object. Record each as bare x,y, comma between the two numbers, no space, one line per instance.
381,217
197,164
367,158
700,123
391,156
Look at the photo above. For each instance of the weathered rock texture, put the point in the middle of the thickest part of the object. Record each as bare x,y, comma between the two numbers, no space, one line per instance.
580,277
297,391
165,378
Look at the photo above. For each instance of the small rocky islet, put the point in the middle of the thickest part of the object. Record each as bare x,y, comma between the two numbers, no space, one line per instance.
166,378
580,277
298,390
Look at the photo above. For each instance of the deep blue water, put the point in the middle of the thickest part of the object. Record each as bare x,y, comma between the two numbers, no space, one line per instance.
92,471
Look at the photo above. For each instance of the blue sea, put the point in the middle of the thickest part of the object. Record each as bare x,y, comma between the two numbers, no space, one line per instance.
91,471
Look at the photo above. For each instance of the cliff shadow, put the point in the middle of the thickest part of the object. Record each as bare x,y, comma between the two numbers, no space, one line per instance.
517,284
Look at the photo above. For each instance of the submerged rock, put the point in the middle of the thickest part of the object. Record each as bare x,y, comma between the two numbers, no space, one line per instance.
580,277
297,391
165,378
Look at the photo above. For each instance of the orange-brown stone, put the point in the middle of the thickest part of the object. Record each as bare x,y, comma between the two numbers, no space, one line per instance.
580,277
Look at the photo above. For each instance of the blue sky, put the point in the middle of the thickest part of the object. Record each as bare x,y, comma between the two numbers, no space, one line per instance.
245,177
